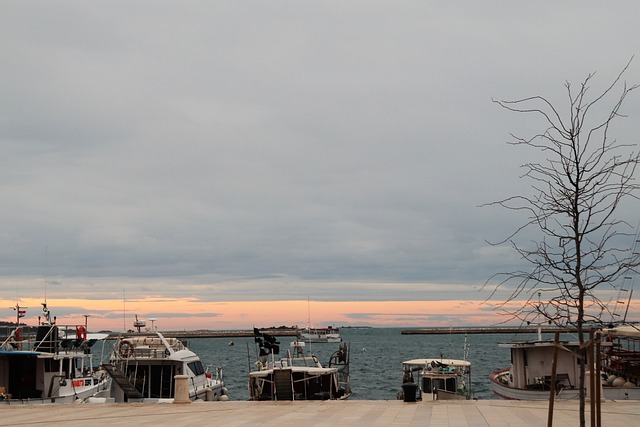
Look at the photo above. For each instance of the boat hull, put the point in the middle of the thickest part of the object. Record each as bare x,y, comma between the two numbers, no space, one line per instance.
500,387
296,384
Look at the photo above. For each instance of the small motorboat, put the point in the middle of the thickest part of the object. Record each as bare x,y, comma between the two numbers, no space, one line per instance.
298,376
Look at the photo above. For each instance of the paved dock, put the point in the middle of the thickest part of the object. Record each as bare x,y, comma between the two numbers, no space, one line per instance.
494,413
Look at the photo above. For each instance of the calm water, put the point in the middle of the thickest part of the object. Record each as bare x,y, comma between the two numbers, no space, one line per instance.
376,358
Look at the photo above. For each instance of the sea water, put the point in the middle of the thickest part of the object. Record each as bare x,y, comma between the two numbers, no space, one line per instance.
376,356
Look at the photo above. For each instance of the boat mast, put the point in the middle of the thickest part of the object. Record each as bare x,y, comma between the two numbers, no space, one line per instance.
627,286
46,271
124,310
20,311
309,322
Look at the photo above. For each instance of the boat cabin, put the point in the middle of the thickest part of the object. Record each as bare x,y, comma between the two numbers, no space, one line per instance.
531,364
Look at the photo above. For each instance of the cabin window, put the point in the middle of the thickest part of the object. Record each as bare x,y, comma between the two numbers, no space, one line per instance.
451,384
196,367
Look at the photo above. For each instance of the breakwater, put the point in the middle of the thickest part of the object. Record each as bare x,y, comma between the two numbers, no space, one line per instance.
484,330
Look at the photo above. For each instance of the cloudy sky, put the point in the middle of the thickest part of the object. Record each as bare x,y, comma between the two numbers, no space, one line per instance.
209,152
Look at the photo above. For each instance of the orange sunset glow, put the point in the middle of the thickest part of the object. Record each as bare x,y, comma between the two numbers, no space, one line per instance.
192,314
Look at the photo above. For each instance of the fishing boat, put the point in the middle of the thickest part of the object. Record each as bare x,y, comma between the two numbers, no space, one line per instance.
298,376
530,375
143,367
438,379
320,335
53,366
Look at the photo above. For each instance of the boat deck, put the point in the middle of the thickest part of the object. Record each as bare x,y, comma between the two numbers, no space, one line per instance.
313,413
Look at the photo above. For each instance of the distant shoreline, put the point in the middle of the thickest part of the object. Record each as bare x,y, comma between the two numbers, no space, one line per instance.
213,334
292,332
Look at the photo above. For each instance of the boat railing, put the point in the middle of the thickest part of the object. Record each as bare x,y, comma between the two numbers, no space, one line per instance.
216,375
148,353
56,339
157,347
288,362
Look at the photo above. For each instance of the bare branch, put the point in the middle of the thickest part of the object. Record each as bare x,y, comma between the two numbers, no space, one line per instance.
576,194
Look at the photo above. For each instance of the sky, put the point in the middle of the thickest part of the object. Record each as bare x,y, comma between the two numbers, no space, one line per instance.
229,164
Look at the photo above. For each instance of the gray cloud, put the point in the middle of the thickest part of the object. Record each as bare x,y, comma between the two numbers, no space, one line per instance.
333,150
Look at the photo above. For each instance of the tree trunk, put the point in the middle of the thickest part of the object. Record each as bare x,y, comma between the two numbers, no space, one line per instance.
582,354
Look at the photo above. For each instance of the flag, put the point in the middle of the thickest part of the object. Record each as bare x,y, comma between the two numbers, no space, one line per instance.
271,344
22,313
257,335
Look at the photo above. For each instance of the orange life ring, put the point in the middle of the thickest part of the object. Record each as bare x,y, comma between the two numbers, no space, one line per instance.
81,333
125,349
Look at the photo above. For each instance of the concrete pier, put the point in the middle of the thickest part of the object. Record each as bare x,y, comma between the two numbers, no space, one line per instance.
494,413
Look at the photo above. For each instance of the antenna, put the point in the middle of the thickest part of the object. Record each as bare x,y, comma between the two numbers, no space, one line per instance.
20,312
309,322
46,271
139,324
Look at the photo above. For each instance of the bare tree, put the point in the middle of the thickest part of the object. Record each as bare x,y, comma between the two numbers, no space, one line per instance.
576,192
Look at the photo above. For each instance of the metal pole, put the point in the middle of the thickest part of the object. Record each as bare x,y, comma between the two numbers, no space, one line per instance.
552,394
598,378
592,380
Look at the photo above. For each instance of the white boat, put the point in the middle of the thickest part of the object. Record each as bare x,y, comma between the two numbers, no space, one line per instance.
438,379
298,376
319,335
143,367
55,366
529,376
